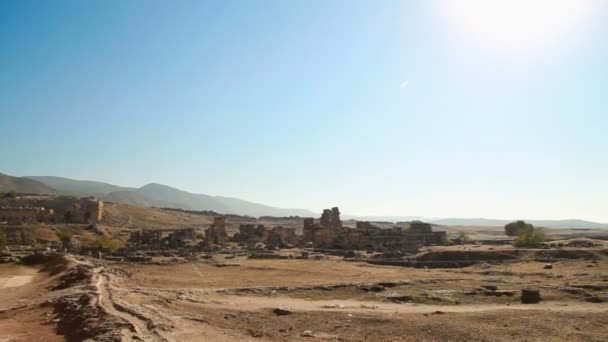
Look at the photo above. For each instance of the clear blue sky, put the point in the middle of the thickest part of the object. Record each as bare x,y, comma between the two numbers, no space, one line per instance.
381,107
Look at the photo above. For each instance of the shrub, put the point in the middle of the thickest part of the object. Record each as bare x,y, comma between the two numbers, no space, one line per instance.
517,227
64,236
2,239
464,236
530,238
105,243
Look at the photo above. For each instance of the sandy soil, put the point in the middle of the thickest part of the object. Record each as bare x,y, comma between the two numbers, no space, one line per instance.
329,299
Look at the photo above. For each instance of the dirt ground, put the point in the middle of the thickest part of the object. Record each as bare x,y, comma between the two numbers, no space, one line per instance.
330,299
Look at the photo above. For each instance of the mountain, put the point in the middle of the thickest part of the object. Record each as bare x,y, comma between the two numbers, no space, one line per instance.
166,196
24,185
72,187
539,223
158,195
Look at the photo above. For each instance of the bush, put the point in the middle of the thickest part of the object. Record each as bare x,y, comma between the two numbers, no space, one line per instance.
2,239
11,194
517,227
105,243
65,237
530,238
464,236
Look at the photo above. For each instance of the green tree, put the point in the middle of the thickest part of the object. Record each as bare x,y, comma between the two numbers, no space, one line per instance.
517,227
11,194
464,236
530,238
65,237
105,243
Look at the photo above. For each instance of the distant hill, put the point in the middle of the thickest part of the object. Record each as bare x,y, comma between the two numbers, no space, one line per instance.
24,185
72,187
539,223
163,196
159,195
166,196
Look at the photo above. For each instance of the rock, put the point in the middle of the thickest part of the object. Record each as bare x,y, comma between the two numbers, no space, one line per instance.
530,296
490,287
319,335
595,299
573,290
308,333
372,288
282,311
400,299
548,266
256,333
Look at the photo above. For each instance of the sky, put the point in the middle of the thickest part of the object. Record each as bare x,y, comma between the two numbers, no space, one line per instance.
436,108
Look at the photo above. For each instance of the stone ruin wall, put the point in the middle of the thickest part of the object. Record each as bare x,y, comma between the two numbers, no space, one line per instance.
51,209
330,233
161,239
216,233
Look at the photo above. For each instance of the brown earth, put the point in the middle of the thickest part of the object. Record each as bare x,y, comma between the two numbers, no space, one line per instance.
331,299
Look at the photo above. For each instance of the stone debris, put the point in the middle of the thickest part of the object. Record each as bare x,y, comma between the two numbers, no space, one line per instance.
282,311
530,296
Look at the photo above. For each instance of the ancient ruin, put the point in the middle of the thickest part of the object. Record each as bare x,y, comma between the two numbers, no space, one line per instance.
329,233
51,209
216,233
161,238
277,237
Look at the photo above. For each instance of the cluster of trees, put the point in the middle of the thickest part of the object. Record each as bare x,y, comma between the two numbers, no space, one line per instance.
102,242
526,235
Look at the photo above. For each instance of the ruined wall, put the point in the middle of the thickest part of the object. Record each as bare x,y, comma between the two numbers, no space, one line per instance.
26,215
281,237
161,239
17,236
251,234
216,233
59,209
330,233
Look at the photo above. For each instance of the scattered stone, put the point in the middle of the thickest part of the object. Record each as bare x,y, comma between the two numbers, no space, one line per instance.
372,288
596,299
308,333
319,335
363,306
490,287
400,299
282,311
548,266
573,290
530,296
256,333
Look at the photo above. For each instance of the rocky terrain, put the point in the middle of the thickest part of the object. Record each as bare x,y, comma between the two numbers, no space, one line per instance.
230,296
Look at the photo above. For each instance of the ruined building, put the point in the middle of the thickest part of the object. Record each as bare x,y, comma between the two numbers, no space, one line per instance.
162,239
277,237
50,209
329,233
216,233
12,215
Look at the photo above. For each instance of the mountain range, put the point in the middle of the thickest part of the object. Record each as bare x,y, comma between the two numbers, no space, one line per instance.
163,196
150,195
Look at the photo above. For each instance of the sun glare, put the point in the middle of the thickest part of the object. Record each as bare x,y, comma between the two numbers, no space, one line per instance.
517,28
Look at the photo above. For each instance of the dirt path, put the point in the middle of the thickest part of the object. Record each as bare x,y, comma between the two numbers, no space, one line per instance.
107,299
